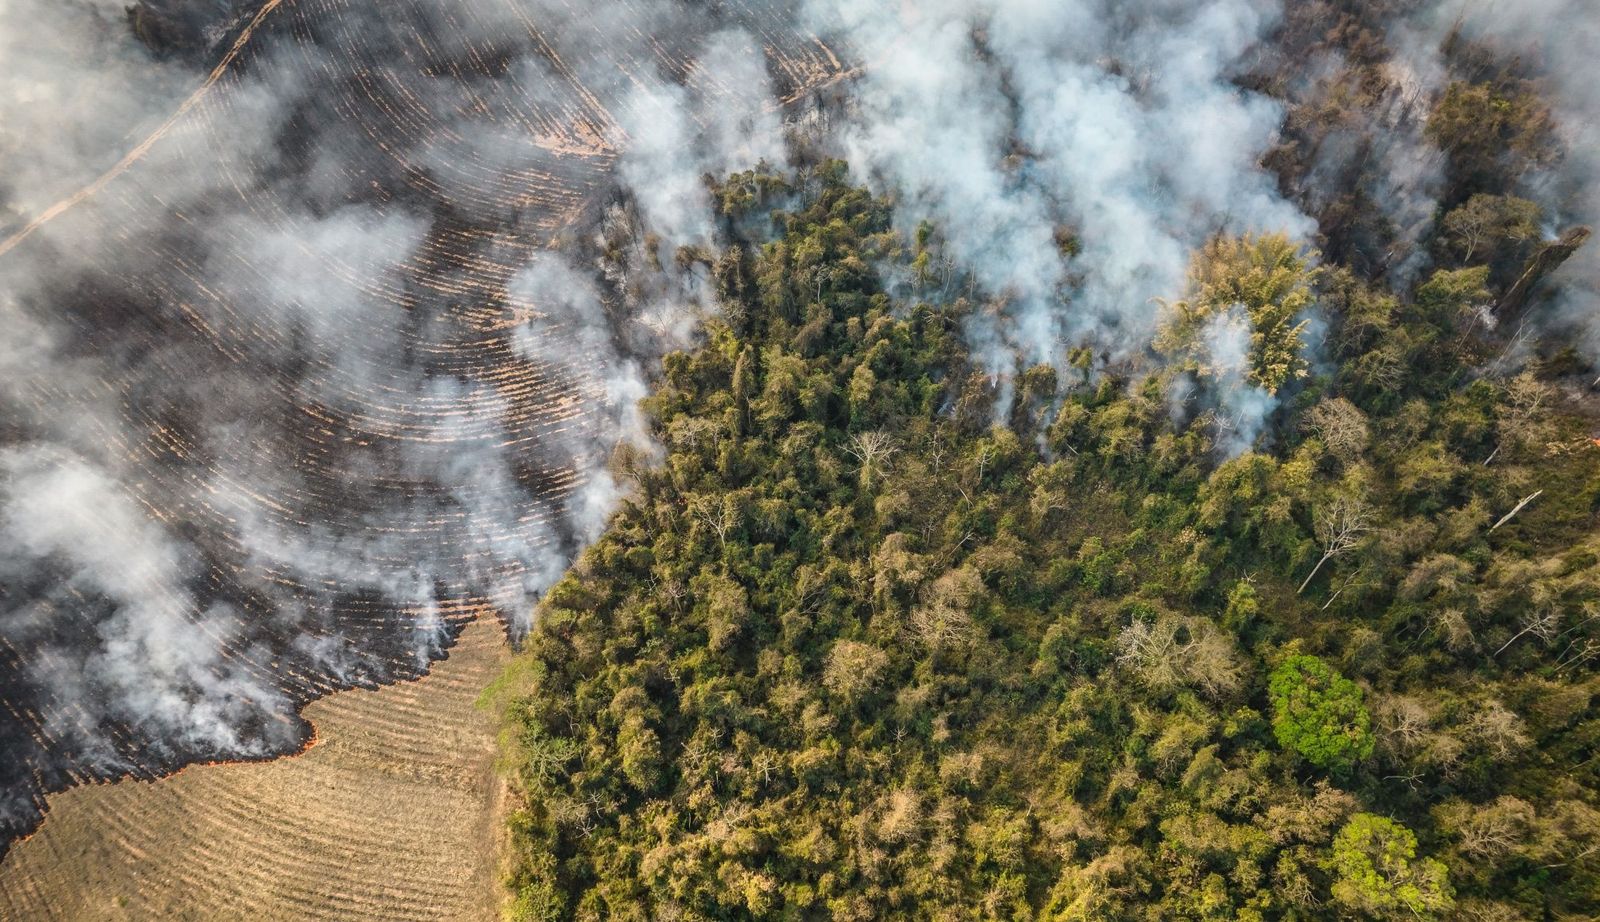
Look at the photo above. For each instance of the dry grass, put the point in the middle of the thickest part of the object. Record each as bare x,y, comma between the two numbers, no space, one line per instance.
391,815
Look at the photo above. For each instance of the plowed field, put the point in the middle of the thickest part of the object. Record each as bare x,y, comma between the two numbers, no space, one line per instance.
391,814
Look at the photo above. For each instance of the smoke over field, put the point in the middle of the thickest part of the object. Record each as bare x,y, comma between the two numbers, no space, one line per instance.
323,318
331,361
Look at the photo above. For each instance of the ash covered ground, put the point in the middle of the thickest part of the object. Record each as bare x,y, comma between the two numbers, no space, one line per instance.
327,364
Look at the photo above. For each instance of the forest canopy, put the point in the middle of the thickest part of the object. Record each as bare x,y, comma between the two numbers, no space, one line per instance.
1288,614
869,643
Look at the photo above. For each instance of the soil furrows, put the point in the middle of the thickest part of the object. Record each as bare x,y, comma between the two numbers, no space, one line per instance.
240,429
386,816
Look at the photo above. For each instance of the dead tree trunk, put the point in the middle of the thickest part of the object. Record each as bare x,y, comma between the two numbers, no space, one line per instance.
1525,501
1546,260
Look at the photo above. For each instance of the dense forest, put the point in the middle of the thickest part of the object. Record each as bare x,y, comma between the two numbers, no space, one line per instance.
881,634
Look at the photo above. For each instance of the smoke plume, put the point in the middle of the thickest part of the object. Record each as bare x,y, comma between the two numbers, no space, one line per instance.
1560,36
332,363
1011,123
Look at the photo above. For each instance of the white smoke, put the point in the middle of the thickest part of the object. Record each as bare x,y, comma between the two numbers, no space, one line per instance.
1562,36
145,667
1004,119
672,136
266,281
78,92
1011,124
1242,406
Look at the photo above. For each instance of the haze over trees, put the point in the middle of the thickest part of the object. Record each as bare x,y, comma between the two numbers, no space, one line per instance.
1287,613
868,643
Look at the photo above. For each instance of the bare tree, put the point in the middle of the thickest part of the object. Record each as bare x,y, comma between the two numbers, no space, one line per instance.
669,589
1542,621
1339,526
1152,650
1405,724
1453,626
1489,830
719,516
1520,421
1580,649
985,457
1498,729
1170,651
944,619
872,451
692,432
981,459
1341,426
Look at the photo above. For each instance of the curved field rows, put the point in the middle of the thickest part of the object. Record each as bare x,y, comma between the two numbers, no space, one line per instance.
390,815
289,345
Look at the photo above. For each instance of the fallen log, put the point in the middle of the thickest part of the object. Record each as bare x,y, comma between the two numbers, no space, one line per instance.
1525,501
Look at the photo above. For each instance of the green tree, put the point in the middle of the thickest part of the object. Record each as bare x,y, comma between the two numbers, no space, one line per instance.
1269,277
1487,224
1377,871
1319,714
1491,132
640,749
863,653
1449,293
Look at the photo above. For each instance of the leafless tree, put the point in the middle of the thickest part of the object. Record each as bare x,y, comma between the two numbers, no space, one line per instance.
1339,526
944,619
716,515
1453,626
1542,621
872,451
1405,723
1580,649
1498,728
984,457
1171,651
692,432
669,589
1151,649
1520,419
1578,653
1341,426
1496,829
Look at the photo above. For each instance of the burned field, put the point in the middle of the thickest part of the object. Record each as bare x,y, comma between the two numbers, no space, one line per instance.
289,354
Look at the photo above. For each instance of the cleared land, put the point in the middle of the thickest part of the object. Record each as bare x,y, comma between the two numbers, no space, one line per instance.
392,815
320,465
